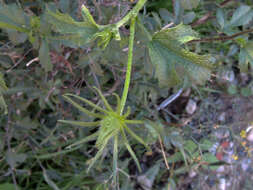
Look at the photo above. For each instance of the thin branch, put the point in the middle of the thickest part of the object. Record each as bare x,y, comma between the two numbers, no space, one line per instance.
208,15
163,152
222,38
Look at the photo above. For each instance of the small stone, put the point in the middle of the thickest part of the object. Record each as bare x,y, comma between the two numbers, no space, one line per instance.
221,169
244,78
250,136
191,107
222,117
222,184
245,164
145,183
186,93
192,174
228,76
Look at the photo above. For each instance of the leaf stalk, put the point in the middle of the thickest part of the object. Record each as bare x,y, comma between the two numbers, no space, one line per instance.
129,65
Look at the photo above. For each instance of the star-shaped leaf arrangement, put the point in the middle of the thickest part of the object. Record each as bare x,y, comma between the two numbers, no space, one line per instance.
112,126
173,63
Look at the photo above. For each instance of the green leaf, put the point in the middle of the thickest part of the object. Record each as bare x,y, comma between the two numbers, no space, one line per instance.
12,17
241,16
49,181
152,173
3,88
82,109
232,89
190,146
174,64
8,186
80,123
44,56
13,159
246,91
206,145
189,4
115,158
220,16
176,157
79,33
246,57
210,159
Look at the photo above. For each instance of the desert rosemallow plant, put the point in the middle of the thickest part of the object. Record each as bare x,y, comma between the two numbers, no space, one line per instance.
174,65
113,124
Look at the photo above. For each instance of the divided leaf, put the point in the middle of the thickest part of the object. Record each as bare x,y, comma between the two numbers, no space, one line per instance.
81,33
174,64
77,32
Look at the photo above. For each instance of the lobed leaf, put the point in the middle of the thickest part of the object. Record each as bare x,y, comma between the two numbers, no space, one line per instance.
79,33
174,64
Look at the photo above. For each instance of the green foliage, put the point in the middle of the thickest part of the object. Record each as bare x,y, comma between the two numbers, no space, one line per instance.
111,125
189,4
246,57
242,16
46,143
7,186
3,88
44,56
174,64
79,33
13,17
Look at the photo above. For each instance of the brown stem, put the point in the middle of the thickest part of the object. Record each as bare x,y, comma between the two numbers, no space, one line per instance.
208,15
223,38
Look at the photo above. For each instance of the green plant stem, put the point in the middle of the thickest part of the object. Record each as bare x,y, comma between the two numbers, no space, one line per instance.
129,65
115,159
133,13
223,38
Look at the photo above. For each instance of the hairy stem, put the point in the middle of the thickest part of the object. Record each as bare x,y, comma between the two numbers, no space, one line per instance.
132,13
129,65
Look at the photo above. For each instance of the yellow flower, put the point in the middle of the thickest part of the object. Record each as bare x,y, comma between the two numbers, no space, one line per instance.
235,157
243,133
